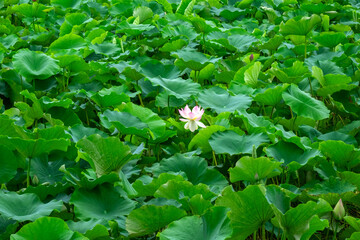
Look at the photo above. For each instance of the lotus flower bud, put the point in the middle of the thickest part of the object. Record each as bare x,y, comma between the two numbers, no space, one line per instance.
256,176
35,180
339,210
251,57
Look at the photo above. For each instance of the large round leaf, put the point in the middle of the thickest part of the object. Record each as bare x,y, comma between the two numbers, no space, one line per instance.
220,100
214,225
193,59
254,169
26,206
102,202
155,123
67,42
178,87
106,154
33,65
195,168
148,219
330,39
300,27
47,228
232,143
298,221
304,105
8,163
290,154
125,123
249,210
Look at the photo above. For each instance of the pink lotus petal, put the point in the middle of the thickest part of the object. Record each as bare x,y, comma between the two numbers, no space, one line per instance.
184,120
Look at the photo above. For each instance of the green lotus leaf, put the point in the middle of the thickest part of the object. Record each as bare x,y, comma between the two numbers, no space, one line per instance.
290,154
178,87
26,206
34,10
195,168
73,4
110,97
351,177
343,155
354,236
126,123
149,219
78,132
33,65
143,13
45,190
146,187
271,96
213,225
298,221
183,191
254,123
102,202
220,100
201,25
173,46
232,143
45,171
99,231
165,99
133,29
353,222
228,12
241,42
305,105
300,27
153,69
193,59
42,141
254,169
122,8
276,195
88,178
105,154
9,41
106,48
71,20
86,226
249,210
294,74
9,165
333,189
251,75
273,43
338,136
155,124
330,39
67,42
47,228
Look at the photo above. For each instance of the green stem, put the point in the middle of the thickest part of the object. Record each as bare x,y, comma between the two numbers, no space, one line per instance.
214,158
254,236
28,173
263,232
168,105
335,232
305,49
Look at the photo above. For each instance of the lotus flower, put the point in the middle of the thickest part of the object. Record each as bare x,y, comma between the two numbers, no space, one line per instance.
192,118
339,210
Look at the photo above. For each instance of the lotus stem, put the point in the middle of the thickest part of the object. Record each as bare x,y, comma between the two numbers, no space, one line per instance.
214,158
263,232
28,174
